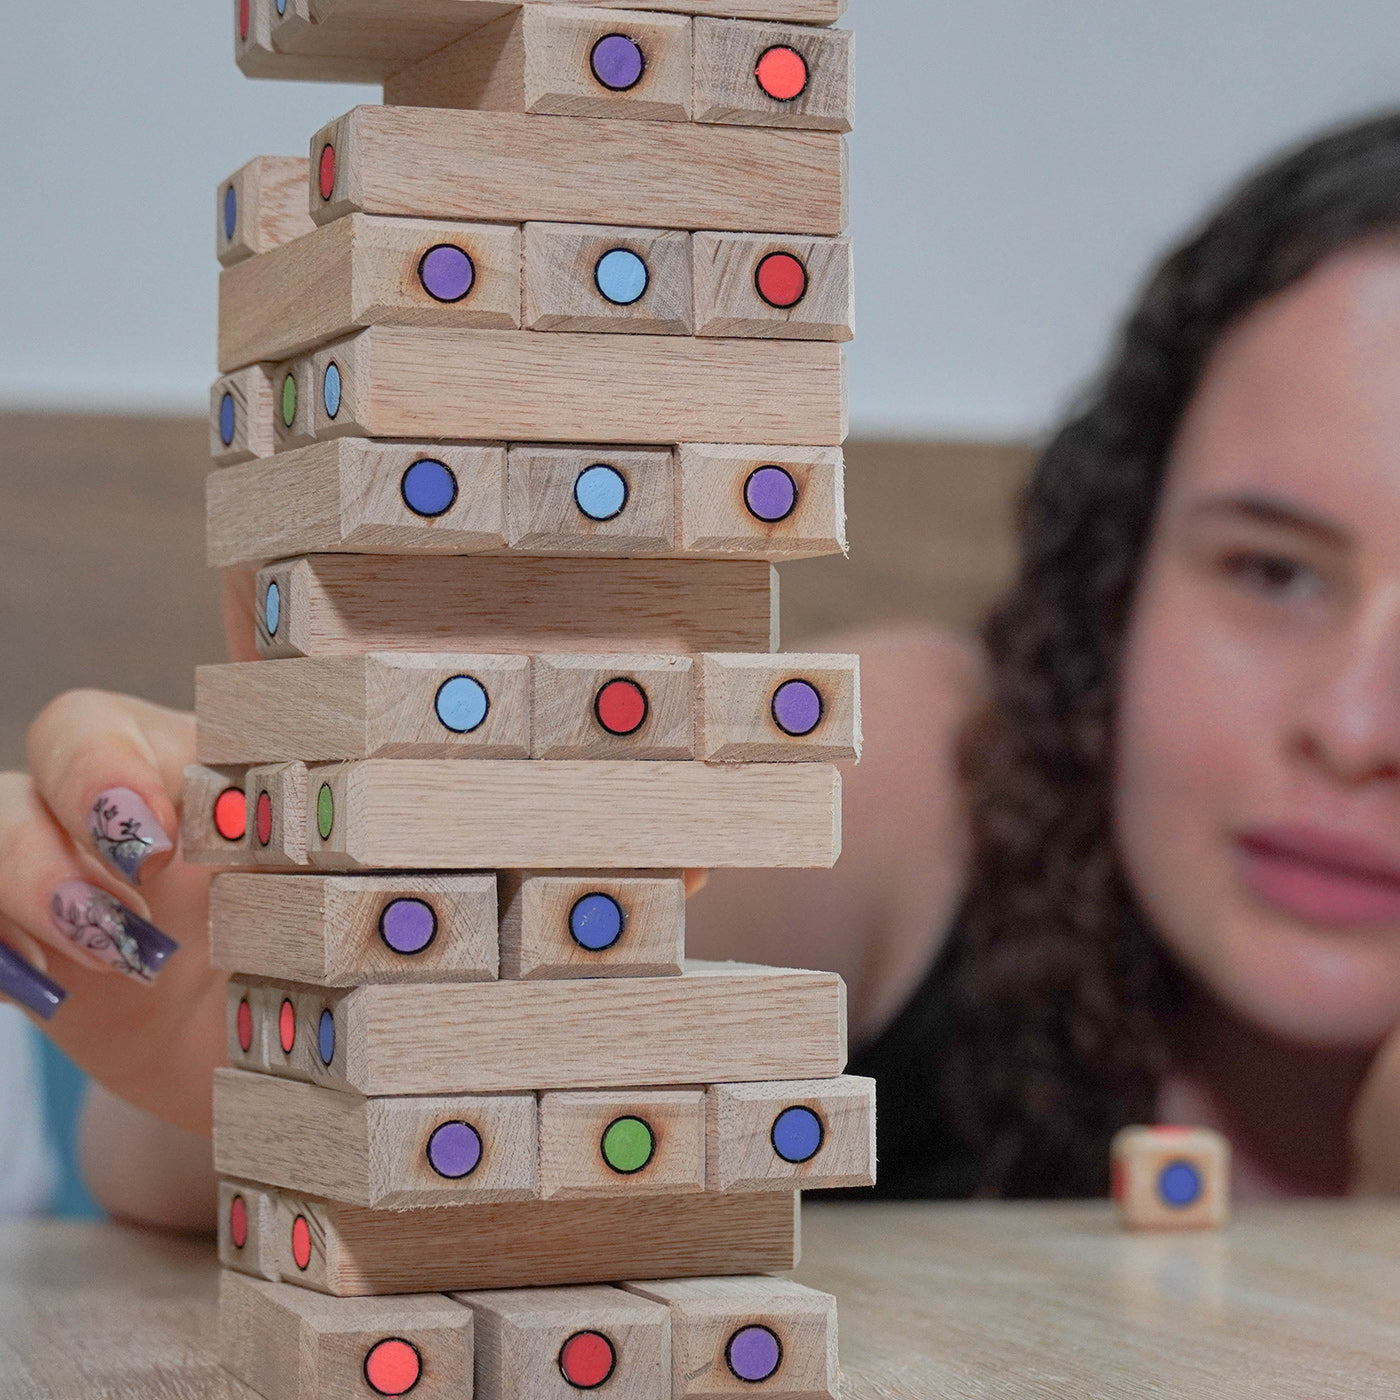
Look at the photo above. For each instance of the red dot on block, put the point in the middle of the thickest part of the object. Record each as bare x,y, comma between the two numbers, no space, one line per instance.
781,280
301,1243
262,819
587,1360
327,171
621,707
782,73
245,1026
287,1026
238,1222
393,1366
231,814
244,19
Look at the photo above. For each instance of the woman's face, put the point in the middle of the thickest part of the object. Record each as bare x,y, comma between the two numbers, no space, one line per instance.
1257,783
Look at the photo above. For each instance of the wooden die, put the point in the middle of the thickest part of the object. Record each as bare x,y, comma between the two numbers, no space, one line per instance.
1170,1178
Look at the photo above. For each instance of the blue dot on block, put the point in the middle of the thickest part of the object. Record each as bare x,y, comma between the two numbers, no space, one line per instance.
230,212
797,1134
1180,1184
330,389
454,1150
621,276
462,704
228,420
601,492
281,7
272,609
596,922
429,488
325,1037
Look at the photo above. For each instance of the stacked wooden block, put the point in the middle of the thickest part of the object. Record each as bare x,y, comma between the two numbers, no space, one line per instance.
529,379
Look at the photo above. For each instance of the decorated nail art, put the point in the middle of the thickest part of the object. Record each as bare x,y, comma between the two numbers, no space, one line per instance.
109,930
126,831
27,985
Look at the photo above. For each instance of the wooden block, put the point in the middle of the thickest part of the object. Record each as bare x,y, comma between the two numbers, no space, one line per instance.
793,11
351,1251
650,1142
415,382
589,277
290,1028
774,75
261,206
250,1019
1169,1178
276,814
257,58
614,706
294,386
392,814
771,709
717,1023
761,502
288,1344
331,605
552,1343
213,816
584,500
592,924
507,167
752,284
344,931
386,1153
242,410
740,1336
809,1135
364,271
375,705
248,1229
353,496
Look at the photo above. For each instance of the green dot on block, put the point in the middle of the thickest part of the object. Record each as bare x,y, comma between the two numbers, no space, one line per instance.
289,400
325,811
628,1145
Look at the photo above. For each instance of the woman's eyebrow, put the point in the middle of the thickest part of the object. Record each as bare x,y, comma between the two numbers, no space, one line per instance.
1270,510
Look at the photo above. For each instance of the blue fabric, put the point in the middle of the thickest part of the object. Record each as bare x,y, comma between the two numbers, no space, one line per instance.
64,1087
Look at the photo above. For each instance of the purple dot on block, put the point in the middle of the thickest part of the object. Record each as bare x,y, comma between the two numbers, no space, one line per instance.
618,62
797,707
454,1150
408,925
446,272
754,1353
770,494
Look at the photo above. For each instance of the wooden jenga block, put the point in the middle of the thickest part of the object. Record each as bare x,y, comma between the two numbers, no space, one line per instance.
331,605
614,706
585,500
1169,1178
293,404
375,705
595,924
242,412
780,708
505,167
213,816
350,495
261,206
253,49
344,931
610,1142
288,1344
589,277
364,271
276,814
793,11
773,75
499,814
746,501
552,1343
751,284
717,1023
737,1336
390,1153
251,1008
248,1237
420,382
812,1134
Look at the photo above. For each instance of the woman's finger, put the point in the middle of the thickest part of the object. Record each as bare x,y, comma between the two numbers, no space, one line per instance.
23,973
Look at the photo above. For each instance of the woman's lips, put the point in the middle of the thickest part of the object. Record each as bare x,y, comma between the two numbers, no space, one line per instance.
1320,877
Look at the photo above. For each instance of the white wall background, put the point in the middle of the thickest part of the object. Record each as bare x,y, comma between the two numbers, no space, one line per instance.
1018,164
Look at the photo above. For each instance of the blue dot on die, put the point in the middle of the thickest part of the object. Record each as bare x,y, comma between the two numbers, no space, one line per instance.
228,420
230,212
1180,1184
325,1037
797,1134
330,389
596,922
429,488
462,704
272,609
601,492
621,277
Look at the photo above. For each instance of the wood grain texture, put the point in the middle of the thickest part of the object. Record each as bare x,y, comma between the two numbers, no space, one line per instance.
257,58
336,930
1171,1178
276,814
332,605
743,713
727,299
248,1229
505,167
200,840
392,814
794,11
571,720
371,1152
242,408
270,207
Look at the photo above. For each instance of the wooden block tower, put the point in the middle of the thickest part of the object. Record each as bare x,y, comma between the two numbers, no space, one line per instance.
529,378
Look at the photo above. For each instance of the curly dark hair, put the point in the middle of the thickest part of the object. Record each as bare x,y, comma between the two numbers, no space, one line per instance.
1064,1000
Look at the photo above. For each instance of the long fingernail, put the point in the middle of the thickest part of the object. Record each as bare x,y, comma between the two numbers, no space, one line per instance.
27,985
107,929
126,831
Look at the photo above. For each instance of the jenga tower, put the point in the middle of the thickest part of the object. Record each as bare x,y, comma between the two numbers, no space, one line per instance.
529,378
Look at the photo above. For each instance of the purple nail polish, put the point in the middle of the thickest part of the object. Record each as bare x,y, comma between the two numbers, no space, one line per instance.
107,929
27,985
126,831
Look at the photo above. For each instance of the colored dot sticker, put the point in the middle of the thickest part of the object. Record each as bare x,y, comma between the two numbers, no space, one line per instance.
281,7
408,925
797,1135
393,1367
621,707
454,1150
622,277
272,609
601,492
238,1222
245,14
754,1353
262,819
446,272
618,62
782,73
231,814
228,420
770,494
289,400
330,389
287,1026
628,1145
462,704
301,1243
429,488
245,1025
587,1360
325,811
596,922
797,708
325,1037
781,280
1179,1184
230,212
326,172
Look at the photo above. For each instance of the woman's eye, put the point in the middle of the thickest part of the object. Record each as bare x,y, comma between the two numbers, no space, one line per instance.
1273,573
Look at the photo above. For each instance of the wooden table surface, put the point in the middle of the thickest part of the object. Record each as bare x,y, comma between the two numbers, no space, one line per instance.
936,1302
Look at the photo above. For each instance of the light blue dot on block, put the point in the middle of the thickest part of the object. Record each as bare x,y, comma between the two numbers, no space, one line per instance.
281,7
330,389
600,492
1180,1184
797,1134
325,1037
272,609
621,276
228,420
230,212
596,922
462,704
